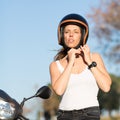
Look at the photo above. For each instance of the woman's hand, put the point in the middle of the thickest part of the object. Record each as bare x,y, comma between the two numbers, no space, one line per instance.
86,53
83,50
72,53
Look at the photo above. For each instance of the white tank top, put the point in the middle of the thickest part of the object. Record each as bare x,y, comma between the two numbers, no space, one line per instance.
81,91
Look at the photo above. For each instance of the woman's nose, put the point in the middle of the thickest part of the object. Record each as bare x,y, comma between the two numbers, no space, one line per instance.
71,33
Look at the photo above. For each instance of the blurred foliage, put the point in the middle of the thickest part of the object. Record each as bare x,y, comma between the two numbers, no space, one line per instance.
106,28
108,118
111,101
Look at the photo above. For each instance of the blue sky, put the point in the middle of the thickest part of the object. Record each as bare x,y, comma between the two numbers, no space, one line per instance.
28,38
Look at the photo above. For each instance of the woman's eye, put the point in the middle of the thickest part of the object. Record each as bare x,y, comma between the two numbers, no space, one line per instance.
66,32
76,31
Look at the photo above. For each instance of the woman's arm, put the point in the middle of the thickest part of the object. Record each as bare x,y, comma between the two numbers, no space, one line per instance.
60,80
100,73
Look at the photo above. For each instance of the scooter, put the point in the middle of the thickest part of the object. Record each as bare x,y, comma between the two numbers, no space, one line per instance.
10,109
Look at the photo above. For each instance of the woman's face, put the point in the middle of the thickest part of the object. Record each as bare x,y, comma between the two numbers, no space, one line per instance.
72,35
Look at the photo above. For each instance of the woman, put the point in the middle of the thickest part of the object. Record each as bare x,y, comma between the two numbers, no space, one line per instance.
77,74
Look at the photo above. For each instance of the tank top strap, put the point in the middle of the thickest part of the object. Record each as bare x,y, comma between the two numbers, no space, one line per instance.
60,67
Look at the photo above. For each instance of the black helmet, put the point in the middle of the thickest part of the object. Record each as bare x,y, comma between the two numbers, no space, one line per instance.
77,20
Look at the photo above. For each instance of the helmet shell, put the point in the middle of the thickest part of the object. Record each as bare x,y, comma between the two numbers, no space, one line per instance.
73,19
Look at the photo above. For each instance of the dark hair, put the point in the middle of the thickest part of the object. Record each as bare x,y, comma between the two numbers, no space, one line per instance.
61,54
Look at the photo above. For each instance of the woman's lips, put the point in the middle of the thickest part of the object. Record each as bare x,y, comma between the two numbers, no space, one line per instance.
70,40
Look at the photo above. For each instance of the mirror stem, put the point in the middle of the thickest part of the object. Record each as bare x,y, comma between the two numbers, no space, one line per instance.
25,99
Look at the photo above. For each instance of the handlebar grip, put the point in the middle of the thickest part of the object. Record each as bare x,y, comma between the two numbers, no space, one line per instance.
21,117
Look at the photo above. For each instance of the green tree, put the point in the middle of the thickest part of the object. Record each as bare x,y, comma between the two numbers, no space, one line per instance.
110,101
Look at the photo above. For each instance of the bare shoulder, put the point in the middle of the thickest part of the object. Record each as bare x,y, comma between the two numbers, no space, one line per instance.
54,71
54,68
52,65
96,57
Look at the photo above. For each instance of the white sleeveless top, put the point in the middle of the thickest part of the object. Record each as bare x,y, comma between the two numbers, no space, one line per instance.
81,91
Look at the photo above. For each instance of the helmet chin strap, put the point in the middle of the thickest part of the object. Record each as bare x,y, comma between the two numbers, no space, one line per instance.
68,48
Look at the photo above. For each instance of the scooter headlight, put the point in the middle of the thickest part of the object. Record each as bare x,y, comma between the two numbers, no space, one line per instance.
6,110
